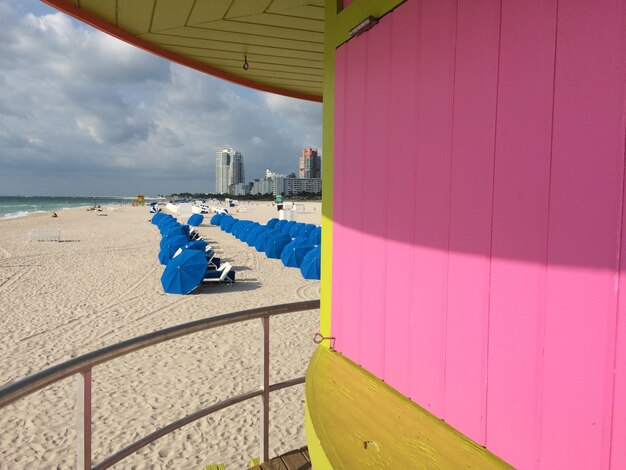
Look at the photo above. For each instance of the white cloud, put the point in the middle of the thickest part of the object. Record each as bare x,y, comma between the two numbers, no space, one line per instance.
78,102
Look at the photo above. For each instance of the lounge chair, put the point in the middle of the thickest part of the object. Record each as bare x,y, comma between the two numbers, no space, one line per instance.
225,273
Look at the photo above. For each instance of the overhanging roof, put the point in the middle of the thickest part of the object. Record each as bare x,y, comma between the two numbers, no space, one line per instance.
282,40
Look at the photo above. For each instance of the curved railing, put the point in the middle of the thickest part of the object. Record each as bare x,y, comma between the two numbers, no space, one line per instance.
84,364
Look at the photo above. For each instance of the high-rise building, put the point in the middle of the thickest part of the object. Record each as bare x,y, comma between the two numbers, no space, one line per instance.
229,169
310,164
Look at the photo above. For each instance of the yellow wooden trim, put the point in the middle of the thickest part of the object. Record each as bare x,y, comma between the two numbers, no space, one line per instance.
316,452
358,421
327,176
337,30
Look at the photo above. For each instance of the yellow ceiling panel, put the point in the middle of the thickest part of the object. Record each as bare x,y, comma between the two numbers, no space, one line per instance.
283,39
246,8
227,36
204,11
135,16
105,10
271,19
166,41
170,13
245,30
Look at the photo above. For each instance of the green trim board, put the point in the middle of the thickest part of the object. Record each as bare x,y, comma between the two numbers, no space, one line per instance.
377,426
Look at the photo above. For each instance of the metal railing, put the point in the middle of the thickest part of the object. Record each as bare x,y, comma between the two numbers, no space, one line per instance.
82,367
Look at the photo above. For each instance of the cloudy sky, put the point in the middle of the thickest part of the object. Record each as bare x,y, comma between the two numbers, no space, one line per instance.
82,113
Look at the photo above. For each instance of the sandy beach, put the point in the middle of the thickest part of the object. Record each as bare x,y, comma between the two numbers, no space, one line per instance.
101,285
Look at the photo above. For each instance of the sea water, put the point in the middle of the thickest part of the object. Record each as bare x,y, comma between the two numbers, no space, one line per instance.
20,206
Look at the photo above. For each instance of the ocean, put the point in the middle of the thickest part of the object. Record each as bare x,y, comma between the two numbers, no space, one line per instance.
20,206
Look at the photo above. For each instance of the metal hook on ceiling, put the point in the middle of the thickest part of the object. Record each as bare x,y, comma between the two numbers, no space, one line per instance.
246,66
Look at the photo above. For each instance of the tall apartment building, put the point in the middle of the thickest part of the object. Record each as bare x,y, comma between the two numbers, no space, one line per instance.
229,169
310,164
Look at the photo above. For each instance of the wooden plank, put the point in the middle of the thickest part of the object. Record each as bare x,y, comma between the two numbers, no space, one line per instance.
305,452
520,230
584,232
274,464
361,423
433,154
294,460
475,92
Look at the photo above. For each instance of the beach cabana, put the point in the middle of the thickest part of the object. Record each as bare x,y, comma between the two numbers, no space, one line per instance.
477,148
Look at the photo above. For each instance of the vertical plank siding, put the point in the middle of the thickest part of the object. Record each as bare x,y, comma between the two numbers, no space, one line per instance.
478,240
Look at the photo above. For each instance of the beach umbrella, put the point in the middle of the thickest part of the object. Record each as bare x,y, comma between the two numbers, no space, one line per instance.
307,230
287,227
232,227
310,267
169,248
156,217
226,224
243,235
165,219
294,231
176,230
316,236
279,225
215,220
254,233
184,273
225,220
195,220
195,245
261,239
272,222
275,245
238,227
295,251
166,226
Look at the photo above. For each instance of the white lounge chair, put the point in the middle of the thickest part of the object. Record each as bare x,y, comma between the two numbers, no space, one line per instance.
225,273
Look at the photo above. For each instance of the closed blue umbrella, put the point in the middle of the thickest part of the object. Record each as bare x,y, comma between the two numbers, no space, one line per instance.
169,248
233,227
262,238
251,238
165,219
272,223
316,236
195,220
295,251
156,217
165,227
243,235
184,273
287,227
307,230
238,227
215,220
275,245
310,267
176,230
279,225
226,221
294,231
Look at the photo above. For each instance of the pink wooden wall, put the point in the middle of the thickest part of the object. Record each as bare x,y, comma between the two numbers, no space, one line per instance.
478,220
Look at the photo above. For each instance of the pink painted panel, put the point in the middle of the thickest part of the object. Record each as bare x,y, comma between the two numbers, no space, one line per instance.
401,198
492,197
341,270
520,230
476,70
432,183
374,195
584,235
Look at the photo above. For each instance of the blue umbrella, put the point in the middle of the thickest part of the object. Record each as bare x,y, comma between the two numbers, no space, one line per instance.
307,230
295,251
310,267
287,227
262,238
195,245
165,227
165,219
238,227
275,245
176,230
232,227
195,220
215,220
251,238
156,217
316,236
295,229
279,225
169,248
272,222
184,273
243,235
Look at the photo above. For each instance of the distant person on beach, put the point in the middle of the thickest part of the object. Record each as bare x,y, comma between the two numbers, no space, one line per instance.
54,214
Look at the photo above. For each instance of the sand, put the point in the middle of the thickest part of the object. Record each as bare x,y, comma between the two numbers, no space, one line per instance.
101,285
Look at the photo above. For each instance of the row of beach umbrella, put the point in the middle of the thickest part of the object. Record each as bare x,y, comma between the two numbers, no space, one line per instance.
185,271
296,244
